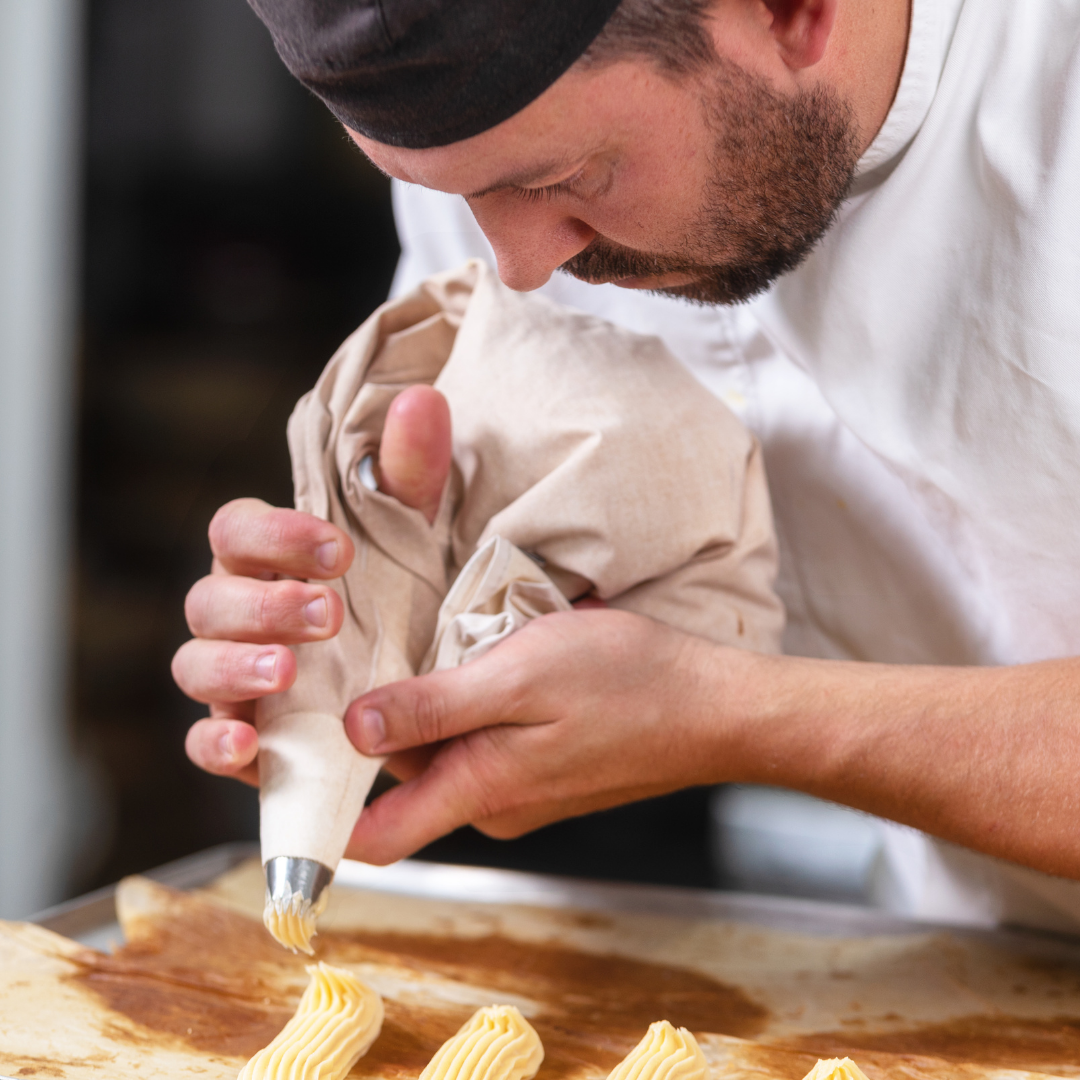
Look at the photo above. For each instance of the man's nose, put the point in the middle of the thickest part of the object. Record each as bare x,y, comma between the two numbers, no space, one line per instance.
530,241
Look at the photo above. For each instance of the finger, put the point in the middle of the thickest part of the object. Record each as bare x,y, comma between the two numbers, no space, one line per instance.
230,671
235,710
524,819
227,608
252,538
409,763
415,451
478,780
217,567
225,748
450,793
435,707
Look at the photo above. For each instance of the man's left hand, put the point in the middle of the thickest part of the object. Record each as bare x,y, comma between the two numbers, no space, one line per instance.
576,712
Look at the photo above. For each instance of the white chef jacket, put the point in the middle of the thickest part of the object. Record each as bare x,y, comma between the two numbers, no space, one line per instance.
916,387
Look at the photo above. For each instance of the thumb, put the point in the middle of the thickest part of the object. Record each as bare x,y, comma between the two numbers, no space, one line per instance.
415,452
432,708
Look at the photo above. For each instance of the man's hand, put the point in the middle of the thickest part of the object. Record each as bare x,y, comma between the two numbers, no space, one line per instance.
577,711
584,710
246,613
251,607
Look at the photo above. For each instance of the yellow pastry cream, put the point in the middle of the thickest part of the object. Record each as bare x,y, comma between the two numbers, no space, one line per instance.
334,1025
835,1069
666,1053
498,1043
293,924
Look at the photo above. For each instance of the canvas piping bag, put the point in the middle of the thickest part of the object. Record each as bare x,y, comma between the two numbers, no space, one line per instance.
586,460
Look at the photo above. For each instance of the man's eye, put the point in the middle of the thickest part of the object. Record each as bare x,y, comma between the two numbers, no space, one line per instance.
540,194
566,186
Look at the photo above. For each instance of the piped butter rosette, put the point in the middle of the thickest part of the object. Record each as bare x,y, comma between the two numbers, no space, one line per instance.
498,1043
334,1025
836,1069
666,1053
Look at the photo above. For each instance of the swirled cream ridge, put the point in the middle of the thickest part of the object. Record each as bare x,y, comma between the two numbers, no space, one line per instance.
293,924
334,1025
666,1053
835,1069
497,1043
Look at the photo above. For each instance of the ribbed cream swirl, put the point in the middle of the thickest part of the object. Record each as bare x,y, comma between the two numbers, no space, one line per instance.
293,924
498,1043
836,1069
666,1053
334,1025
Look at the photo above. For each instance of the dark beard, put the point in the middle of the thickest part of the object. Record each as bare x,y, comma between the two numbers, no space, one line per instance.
782,167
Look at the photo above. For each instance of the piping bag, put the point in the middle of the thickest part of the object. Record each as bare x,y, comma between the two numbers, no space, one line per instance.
586,460
313,782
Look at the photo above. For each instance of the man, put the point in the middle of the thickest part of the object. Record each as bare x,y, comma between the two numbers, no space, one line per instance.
889,185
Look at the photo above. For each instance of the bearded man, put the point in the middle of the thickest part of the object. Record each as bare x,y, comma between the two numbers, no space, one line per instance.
885,191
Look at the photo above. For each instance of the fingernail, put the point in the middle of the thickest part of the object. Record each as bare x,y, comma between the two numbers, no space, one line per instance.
327,554
316,612
225,748
374,728
265,666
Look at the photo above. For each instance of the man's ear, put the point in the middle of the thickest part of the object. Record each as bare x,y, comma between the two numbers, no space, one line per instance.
801,29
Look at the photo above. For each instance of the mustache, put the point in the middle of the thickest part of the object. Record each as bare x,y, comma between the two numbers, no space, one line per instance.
603,261
732,282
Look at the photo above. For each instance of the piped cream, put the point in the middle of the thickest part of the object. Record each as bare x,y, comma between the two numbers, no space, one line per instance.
836,1069
665,1053
337,1020
497,1043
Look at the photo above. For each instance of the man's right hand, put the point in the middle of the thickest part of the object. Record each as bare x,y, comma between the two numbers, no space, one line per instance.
246,613
259,597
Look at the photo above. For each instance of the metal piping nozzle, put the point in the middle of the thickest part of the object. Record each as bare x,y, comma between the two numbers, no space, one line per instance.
288,878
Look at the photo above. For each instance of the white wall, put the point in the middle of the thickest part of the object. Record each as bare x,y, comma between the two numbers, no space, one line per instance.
40,71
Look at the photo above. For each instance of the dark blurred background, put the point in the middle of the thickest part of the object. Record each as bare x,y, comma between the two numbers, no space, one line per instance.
232,237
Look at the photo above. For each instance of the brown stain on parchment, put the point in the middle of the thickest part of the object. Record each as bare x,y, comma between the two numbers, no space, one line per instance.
216,980
981,1039
201,973
208,1021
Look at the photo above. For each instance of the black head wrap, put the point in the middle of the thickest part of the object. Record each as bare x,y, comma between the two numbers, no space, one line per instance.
419,73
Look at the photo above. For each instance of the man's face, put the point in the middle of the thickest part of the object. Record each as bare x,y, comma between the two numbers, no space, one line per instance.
780,168
704,188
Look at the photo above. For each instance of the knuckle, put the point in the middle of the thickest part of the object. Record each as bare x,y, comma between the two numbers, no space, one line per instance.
490,793
282,602
279,529
228,670
429,714
266,608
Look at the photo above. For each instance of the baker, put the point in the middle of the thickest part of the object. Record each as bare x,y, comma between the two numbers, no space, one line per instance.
889,189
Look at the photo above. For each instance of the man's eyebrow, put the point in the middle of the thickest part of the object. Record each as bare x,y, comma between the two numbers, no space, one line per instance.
524,177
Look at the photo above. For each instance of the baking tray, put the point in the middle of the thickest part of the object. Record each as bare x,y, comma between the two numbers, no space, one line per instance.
91,919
